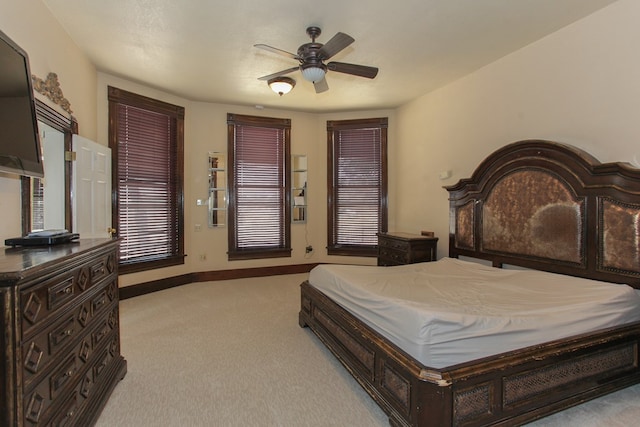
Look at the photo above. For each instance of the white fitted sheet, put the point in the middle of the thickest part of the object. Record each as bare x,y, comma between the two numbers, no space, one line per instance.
451,311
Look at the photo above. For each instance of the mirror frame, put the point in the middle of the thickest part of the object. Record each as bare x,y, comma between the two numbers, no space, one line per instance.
68,126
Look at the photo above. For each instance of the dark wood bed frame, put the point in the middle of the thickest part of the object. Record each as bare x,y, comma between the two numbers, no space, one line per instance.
536,204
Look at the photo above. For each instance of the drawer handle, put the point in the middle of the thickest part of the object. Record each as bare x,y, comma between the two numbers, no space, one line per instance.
67,290
68,373
68,332
99,270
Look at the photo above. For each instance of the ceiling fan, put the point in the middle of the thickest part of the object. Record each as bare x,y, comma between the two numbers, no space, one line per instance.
312,56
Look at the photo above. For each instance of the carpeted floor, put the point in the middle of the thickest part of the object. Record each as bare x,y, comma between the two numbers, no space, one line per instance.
231,353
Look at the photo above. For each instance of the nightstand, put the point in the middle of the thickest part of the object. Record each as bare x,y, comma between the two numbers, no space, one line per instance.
396,248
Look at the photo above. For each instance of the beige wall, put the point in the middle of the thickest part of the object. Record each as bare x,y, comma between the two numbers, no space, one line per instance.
580,85
205,131
33,28
50,49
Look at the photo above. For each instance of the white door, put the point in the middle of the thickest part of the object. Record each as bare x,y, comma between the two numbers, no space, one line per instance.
91,188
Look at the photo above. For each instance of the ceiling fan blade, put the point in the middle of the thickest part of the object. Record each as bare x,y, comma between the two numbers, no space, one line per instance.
335,45
279,73
356,70
278,51
321,86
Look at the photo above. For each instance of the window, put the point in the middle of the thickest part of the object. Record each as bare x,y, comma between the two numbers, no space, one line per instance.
259,187
357,185
146,137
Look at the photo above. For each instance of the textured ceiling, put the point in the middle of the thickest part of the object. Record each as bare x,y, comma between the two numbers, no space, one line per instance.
203,49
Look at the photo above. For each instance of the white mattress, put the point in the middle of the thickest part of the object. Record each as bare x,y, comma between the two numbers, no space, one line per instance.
451,311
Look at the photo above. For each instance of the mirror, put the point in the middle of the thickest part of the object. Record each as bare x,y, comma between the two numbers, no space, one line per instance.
299,188
47,194
46,203
217,189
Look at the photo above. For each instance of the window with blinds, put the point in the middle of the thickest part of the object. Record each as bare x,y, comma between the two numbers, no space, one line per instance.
146,139
357,175
258,150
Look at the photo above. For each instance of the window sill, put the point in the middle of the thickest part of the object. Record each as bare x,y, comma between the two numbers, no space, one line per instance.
363,251
144,265
259,254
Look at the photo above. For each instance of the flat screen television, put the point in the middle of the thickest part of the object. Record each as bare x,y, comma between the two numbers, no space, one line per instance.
20,151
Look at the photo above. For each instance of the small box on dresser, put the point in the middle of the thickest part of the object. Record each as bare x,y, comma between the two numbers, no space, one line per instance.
60,332
397,248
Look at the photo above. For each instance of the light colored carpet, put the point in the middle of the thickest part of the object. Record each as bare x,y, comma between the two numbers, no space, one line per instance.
231,353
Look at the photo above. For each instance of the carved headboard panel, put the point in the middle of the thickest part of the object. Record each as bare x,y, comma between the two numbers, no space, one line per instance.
553,207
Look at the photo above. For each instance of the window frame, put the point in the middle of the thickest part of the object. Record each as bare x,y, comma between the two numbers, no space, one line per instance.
333,128
235,253
117,97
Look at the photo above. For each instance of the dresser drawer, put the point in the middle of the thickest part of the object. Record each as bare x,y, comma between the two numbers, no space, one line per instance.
65,415
43,300
99,270
38,401
77,373
42,348
38,302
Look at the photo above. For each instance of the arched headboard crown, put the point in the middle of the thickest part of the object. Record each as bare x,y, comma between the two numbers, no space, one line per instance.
550,206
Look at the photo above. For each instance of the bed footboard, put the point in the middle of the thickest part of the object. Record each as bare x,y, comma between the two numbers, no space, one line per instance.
507,389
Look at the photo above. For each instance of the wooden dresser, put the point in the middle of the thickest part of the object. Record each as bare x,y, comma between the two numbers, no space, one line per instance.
60,333
397,248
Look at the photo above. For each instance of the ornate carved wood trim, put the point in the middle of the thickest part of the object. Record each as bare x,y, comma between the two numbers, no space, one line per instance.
50,87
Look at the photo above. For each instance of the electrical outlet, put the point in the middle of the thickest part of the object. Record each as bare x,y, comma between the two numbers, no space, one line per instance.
203,257
308,249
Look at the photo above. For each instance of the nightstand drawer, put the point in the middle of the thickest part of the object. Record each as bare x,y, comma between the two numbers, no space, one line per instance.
393,244
393,257
404,248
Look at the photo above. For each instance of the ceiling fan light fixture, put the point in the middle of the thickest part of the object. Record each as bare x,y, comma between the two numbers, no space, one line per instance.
313,74
281,85
311,57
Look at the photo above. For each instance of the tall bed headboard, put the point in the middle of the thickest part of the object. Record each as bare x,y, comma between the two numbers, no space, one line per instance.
549,206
